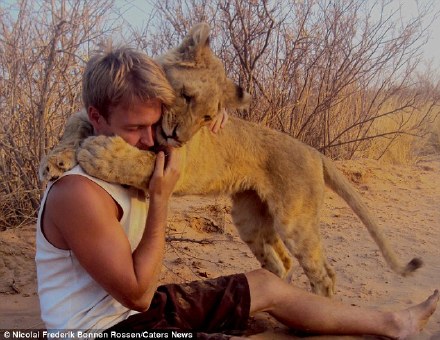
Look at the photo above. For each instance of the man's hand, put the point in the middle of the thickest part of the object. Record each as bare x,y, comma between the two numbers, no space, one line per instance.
166,173
219,121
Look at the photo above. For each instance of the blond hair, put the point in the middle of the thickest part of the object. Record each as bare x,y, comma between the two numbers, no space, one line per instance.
123,76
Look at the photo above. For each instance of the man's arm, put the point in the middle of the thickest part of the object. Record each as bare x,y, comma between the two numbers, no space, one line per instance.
86,219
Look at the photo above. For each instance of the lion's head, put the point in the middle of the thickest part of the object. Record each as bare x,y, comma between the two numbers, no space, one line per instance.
201,86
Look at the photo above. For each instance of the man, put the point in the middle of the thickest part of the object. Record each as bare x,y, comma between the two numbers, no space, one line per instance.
99,254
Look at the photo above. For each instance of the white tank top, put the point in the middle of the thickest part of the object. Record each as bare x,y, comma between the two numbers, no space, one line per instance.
69,297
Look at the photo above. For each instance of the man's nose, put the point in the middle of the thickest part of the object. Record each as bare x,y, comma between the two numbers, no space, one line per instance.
147,137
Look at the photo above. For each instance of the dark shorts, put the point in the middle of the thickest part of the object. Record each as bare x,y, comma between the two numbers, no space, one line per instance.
219,305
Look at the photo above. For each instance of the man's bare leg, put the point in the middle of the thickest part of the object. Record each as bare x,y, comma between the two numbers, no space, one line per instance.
305,311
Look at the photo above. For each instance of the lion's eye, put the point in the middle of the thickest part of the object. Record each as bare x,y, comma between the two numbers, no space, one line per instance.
207,118
186,96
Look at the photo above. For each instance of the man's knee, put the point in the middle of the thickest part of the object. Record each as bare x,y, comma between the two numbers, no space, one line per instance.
264,288
262,275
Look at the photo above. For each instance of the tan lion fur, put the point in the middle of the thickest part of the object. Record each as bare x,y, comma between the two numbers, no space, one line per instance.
275,181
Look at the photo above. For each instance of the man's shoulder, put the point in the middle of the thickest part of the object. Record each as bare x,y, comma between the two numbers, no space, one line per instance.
75,188
74,182
77,181
74,196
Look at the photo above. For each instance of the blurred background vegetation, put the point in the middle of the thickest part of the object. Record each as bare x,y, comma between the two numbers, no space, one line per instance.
343,76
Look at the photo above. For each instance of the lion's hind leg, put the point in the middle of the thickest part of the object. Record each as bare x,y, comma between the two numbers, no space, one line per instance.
255,225
304,241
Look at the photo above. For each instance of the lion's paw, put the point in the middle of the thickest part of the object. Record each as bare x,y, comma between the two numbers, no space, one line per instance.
56,163
324,287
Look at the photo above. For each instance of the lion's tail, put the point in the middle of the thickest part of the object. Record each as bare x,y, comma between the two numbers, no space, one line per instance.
338,183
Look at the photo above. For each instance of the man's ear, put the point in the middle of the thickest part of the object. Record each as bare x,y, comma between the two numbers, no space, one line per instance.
94,117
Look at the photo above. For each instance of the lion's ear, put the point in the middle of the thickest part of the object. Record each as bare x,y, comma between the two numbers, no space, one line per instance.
200,35
195,46
235,97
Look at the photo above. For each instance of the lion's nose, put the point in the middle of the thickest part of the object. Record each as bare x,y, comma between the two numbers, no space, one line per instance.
173,135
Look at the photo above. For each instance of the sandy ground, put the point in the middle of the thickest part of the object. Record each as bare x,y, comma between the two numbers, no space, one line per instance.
203,244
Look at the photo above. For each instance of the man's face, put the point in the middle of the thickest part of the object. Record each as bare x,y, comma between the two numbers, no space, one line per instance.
134,124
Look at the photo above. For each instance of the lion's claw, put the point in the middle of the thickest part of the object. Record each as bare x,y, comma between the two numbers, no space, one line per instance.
56,163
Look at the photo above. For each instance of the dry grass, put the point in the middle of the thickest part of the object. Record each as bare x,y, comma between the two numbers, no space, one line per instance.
432,144
417,138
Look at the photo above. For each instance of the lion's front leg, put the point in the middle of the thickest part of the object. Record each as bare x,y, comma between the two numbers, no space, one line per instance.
62,157
114,160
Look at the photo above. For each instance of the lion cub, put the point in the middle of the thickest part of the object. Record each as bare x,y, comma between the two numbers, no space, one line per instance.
275,181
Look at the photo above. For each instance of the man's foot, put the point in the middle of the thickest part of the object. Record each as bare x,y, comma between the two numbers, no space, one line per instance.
412,320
